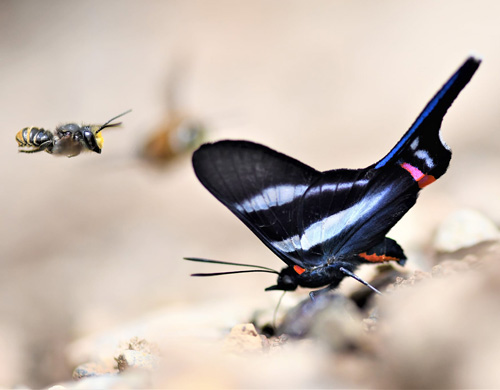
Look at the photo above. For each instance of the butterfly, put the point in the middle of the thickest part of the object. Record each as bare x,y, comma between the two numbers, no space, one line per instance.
323,225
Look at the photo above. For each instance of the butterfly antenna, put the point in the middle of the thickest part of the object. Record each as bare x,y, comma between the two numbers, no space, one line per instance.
231,272
259,268
354,276
275,314
107,124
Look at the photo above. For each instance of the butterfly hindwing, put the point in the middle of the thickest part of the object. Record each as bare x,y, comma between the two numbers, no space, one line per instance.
386,250
421,151
349,211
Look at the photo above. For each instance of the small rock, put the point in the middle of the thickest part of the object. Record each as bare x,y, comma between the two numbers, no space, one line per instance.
87,370
137,359
332,318
137,344
463,229
299,320
370,324
243,338
386,275
340,326
450,267
416,277
135,379
275,343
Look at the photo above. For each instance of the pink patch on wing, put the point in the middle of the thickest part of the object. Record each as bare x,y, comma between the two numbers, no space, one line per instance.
416,173
421,178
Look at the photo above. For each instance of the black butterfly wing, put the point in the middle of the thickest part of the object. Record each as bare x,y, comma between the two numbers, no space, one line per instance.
350,211
261,187
308,217
421,147
304,216
367,203
385,250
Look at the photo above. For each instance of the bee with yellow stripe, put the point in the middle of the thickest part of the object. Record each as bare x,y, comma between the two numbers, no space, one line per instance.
67,140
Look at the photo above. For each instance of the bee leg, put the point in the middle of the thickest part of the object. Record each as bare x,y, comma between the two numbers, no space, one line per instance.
47,146
31,151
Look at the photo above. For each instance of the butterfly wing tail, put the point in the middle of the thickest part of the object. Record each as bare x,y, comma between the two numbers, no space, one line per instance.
421,147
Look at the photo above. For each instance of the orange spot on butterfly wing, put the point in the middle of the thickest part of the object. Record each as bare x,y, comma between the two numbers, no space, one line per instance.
298,269
374,258
426,180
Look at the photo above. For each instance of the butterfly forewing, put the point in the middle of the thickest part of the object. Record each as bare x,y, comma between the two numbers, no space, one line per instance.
261,187
325,209
306,217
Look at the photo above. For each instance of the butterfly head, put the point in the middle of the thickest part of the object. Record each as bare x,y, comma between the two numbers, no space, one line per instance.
288,280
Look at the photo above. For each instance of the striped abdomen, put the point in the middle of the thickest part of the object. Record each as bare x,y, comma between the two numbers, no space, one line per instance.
34,139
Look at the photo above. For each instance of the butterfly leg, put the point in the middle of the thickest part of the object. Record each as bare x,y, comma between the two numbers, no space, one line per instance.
316,293
354,276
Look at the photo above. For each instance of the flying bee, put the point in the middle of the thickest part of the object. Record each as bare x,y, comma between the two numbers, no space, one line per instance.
178,134
67,140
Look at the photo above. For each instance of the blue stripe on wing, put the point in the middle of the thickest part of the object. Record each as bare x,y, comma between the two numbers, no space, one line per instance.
441,101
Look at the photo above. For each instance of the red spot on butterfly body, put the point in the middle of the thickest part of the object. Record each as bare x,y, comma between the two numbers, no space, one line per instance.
298,269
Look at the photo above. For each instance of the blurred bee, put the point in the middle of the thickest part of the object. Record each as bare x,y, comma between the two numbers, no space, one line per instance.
177,134
67,140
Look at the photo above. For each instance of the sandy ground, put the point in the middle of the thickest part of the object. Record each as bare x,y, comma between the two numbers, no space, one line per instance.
96,240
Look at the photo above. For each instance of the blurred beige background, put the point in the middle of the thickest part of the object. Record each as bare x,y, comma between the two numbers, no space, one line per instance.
92,241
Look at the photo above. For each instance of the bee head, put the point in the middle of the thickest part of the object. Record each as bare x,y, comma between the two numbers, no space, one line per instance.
92,140
92,134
